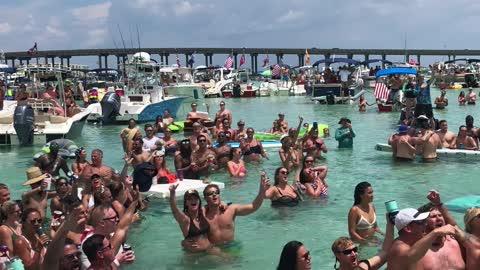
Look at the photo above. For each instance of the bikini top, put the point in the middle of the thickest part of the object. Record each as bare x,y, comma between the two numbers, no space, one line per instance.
194,231
363,223
285,200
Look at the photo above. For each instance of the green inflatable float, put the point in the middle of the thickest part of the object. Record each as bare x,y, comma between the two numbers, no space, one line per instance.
275,137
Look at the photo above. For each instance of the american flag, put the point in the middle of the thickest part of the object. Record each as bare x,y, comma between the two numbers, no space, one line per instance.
228,62
33,50
242,60
381,91
266,61
178,61
276,70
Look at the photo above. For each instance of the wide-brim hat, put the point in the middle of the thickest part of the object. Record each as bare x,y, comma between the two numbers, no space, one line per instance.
34,175
344,119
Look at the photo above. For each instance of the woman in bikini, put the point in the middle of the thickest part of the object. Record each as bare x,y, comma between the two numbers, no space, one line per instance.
281,193
192,222
236,166
313,178
252,148
80,161
11,228
362,219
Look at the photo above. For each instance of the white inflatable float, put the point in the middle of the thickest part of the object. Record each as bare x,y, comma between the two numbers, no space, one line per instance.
445,152
162,190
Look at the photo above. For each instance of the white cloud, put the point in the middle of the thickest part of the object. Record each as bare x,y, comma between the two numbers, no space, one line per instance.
54,28
30,23
5,28
96,36
167,7
185,8
92,13
290,16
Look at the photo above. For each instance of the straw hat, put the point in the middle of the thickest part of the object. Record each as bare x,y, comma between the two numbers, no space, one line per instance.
34,175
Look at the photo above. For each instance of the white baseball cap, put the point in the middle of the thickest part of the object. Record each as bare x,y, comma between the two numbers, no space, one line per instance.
407,215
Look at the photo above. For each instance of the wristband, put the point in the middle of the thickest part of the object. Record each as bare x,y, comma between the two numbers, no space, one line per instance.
116,262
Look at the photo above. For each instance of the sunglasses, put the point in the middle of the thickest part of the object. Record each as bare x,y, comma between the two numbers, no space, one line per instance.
36,221
149,130
210,193
306,256
62,184
202,140
73,256
284,172
349,251
113,218
308,161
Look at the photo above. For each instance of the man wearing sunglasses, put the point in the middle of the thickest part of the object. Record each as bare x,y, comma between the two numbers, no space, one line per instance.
412,243
221,220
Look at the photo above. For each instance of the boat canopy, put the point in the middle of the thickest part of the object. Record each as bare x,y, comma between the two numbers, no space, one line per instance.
396,70
376,61
8,69
336,60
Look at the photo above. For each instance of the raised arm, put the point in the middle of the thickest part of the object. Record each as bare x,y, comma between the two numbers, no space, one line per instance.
180,217
243,210
434,197
381,258
123,225
418,250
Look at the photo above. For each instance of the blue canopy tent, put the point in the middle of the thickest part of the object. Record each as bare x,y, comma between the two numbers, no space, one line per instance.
336,60
396,70
376,61
8,70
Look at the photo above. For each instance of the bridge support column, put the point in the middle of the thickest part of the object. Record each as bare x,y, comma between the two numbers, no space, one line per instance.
13,62
235,60
61,61
327,56
118,62
166,58
106,61
350,56
206,59
279,58
418,59
46,60
68,61
252,63
407,58
99,61
366,56
21,62
186,59
28,62
53,61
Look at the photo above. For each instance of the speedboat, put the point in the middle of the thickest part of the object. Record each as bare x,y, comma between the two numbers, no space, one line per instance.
143,98
178,81
35,121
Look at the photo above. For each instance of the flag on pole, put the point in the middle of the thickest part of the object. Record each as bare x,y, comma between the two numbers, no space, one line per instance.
276,70
266,61
307,58
178,61
228,62
381,91
242,60
191,60
33,50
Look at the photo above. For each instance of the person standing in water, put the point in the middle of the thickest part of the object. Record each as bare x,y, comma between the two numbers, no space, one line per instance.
344,135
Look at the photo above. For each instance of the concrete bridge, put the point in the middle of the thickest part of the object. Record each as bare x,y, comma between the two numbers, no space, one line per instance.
121,55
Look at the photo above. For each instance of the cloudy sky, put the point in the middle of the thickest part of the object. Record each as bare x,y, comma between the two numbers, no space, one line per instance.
69,24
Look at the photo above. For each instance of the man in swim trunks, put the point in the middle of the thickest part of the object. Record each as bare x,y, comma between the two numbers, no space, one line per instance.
441,101
37,197
463,141
447,137
471,97
203,159
445,252
138,154
167,118
51,163
193,113
429,142
471,238
4,193
282,124
313,145
222,114
401,148
226,128
412,242
472,130
197,131
168,142
96,167
221,220
424,100
222,150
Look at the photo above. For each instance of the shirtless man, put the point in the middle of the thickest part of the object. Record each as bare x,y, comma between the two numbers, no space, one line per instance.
193,113
445,251
37,198
4,193
401,148
313,145
96,167
447,137
167,118
51,163
429,142
197,131
221,220
169,143
463,141
471,238
282,124
138,154
222,150
226,128
472,130
412,242
203,159
471,97
222,114
441,101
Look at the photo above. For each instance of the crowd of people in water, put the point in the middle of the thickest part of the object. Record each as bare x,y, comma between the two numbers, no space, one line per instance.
80,220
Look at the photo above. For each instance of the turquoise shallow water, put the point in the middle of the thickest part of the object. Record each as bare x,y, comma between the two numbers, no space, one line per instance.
261,236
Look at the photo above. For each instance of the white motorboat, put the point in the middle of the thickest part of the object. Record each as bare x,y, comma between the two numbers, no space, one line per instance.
178,81
143,99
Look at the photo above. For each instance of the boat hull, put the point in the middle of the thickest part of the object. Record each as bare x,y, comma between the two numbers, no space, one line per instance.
190,91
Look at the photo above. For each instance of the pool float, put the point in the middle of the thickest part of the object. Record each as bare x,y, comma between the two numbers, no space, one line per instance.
463,203
176,126
275,137
383,147
162,190
67,149
265,144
